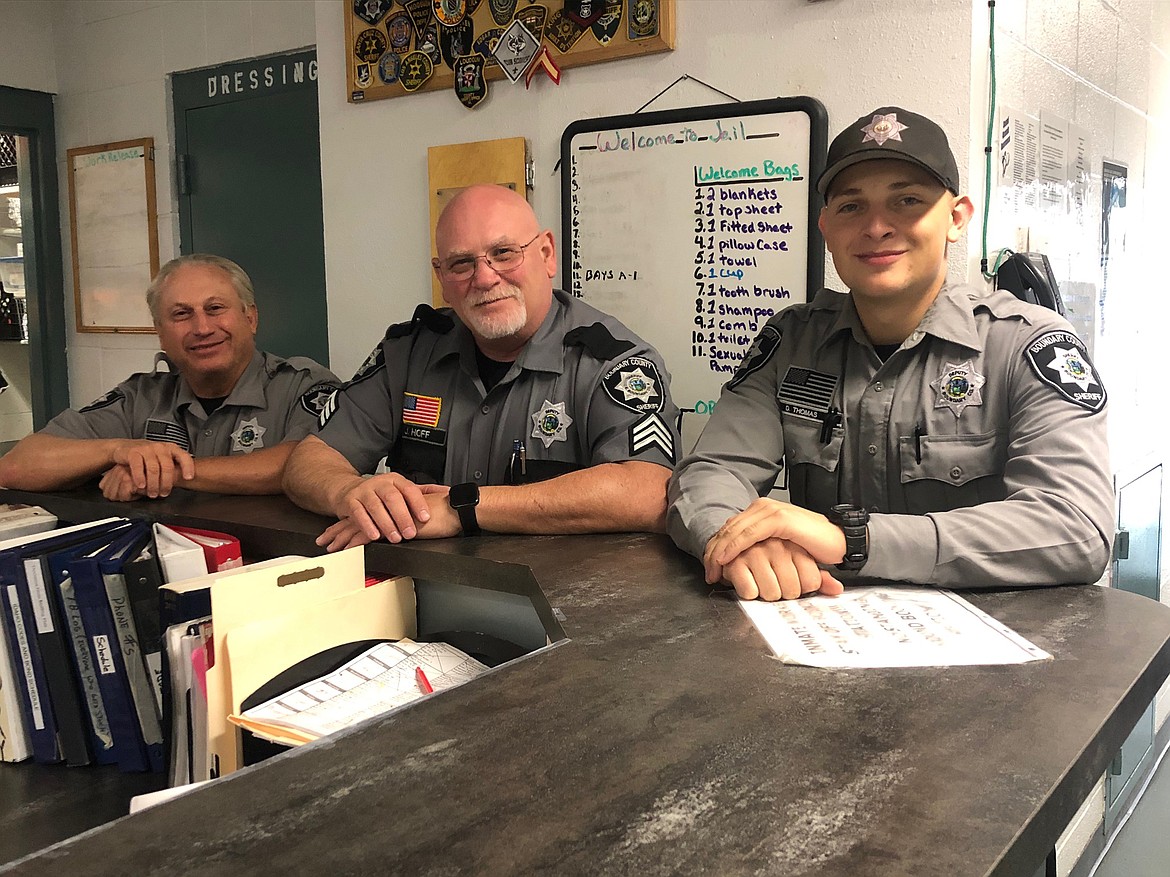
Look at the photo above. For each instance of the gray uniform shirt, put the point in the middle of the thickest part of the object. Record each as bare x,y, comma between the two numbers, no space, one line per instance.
585,390
275,400
979,446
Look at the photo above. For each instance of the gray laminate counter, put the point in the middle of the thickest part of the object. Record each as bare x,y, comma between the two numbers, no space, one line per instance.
661,738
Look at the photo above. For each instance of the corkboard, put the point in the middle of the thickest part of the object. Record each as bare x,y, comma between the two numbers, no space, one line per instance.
395,34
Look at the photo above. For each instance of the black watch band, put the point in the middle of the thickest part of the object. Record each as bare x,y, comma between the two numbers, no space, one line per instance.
854,523
464,498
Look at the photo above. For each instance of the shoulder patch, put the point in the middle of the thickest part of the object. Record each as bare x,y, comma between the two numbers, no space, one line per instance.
1059,360
426,316
374,363
315,399
757,355
105,401
651,433
598,340
635,383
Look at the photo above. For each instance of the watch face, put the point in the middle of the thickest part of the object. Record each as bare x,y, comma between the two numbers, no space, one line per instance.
464,495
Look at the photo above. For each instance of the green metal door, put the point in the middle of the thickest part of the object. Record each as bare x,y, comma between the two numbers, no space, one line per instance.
249,168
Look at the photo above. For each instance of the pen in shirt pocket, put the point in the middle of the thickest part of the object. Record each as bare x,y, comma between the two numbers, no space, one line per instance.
919,432
518,463
831,421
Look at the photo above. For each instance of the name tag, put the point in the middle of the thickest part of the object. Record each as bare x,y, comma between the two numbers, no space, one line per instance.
429,434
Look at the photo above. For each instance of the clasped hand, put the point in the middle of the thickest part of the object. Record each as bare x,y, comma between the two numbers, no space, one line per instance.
392,506
771,550
146,468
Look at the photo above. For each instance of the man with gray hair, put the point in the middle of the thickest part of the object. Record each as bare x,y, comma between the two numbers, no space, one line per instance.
223,417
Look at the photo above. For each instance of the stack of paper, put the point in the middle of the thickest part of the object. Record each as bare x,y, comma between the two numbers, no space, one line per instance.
385,677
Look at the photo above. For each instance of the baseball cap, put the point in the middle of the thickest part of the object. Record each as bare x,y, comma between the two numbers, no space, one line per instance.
892,132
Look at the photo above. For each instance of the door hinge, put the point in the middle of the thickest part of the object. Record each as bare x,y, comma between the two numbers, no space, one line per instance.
1121,545
183,173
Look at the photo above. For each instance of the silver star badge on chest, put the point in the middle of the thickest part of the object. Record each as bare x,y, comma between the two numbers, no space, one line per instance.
249,436
550,423
958,386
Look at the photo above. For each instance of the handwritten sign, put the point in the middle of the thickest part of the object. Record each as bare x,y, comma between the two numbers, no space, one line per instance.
694,227
114,234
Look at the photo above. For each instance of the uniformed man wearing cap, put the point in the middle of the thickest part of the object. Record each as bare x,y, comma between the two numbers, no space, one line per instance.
932,432
222,417
518,410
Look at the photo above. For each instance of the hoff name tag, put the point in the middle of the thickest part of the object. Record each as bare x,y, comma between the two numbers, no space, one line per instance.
429,434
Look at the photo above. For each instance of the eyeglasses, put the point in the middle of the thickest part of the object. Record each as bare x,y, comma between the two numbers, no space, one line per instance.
499,259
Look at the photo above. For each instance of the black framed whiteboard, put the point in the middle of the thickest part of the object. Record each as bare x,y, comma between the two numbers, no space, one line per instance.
694,226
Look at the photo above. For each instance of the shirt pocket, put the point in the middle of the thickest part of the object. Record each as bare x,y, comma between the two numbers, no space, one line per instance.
813,465
956,471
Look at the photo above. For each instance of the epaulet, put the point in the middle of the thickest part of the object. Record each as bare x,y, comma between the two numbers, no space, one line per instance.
425,316
301,363
598,340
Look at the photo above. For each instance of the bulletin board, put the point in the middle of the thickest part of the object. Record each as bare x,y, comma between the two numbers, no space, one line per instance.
694,227
386,40
112,219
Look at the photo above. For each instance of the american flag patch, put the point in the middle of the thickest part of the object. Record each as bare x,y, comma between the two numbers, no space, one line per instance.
421,410
165,431
806,393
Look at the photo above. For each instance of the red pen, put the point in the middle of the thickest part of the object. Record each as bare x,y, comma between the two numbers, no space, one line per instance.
423,683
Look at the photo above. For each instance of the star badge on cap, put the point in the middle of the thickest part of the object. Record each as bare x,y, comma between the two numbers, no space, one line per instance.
883,128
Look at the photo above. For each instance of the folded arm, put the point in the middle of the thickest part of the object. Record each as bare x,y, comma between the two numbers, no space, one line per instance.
607,498
48,462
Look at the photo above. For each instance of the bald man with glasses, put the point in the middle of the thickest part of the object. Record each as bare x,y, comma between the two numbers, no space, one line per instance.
518,409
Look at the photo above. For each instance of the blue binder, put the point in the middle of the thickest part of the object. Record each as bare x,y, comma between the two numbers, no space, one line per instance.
137,671
65,647
24,619
103,651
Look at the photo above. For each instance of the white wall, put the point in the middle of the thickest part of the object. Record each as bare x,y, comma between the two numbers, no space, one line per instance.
113,57
26,45
853,55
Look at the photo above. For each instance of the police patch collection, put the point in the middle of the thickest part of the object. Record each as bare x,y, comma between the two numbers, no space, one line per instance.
399,46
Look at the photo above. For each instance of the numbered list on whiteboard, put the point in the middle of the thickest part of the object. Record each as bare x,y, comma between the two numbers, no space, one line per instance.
694,236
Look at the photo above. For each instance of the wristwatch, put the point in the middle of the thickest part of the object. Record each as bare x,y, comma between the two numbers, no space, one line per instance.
854,523
464,498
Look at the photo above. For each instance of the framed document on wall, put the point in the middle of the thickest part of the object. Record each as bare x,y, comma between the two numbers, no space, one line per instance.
112,221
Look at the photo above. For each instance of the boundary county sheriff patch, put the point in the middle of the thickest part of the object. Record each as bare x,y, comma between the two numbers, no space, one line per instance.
1060,361
317,397
757,355
634,383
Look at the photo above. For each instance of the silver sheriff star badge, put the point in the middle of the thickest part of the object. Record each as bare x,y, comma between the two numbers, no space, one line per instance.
883,128
958,386
249,436
636,385
551,423
1071,367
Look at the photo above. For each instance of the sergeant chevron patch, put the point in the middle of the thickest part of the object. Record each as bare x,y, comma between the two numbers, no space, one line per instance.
651,431
328,407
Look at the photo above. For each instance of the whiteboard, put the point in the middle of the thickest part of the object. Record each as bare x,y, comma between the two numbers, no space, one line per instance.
114,236
693,227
